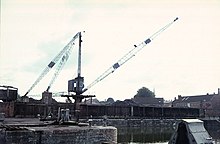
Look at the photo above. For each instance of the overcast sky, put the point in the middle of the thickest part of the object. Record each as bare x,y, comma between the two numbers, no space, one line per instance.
183,60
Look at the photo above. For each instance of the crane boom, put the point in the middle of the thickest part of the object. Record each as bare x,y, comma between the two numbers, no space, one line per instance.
128,56
59,68
53,62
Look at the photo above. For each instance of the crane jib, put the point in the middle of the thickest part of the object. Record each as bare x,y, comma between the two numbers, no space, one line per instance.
129,55
64,54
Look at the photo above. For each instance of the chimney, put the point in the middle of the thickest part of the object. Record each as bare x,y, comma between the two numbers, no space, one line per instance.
179,97
218,91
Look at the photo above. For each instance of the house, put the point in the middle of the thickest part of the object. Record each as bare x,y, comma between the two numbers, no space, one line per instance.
209,103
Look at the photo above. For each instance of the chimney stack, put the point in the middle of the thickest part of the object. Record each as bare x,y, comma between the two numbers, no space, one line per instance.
179,97
218,91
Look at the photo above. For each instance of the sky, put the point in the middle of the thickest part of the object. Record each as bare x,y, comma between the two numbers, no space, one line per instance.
183,60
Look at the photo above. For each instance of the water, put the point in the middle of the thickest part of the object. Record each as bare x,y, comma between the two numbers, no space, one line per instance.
137,135
153,135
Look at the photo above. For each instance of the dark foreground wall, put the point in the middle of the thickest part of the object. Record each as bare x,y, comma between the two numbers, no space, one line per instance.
32,109
111,111
136,122
59,135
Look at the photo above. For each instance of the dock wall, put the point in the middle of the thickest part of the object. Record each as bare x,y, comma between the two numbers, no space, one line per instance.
60,135
150,122
135,122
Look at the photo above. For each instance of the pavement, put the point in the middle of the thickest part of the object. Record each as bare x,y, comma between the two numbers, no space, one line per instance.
24,122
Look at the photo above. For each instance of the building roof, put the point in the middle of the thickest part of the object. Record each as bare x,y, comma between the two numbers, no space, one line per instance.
197,98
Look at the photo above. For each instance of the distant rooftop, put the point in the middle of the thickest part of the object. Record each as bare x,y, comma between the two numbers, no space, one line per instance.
197,98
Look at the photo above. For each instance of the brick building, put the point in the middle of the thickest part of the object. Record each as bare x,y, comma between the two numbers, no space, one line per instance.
209,104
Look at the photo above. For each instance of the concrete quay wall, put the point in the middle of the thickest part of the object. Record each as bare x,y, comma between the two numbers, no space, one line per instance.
135,122
60,135
149,122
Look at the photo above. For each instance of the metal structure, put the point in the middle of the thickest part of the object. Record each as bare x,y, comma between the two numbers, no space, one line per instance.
191,131
63,55
128,56
76,86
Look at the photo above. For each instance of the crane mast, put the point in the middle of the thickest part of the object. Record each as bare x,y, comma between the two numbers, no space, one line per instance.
76,85
79,79
79,55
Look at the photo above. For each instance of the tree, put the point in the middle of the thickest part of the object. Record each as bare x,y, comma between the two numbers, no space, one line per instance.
144,92
110,100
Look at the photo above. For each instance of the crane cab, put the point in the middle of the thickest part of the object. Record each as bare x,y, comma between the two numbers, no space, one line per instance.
76,85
